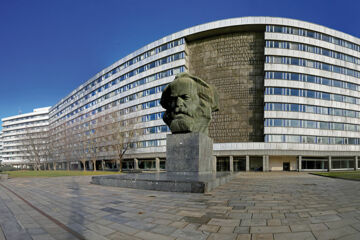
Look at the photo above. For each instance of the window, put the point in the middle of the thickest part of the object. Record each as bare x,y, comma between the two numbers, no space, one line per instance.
277,91
310,94
337,83
292,138
275,138
310,109
294,107
325,96
278,123
309,124
338,126
324,125
294,92
295,123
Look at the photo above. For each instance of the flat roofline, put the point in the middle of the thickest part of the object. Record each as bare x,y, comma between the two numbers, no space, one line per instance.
36,111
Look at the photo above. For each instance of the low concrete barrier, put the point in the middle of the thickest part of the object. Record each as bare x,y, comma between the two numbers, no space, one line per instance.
3,177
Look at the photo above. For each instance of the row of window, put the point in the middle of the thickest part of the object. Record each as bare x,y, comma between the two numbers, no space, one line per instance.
143,56
140,144
23,118
311,94
131,97
127,87
130,62
126,99
121,112
156,129
311,79
324,163
313,34
297,123
151,143
293,107
29,130
280,138
134,72
145,131
28,124
312,64
23,147
144,118
152,117
312,49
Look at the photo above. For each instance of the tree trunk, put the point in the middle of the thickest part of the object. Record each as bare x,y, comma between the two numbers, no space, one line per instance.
117,163
84,165
94,164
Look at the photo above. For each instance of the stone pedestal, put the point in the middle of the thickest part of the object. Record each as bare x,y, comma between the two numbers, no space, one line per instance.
189,153
190,167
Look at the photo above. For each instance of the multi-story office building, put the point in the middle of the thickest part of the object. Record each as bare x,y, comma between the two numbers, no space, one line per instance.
289,96
1,148
25,138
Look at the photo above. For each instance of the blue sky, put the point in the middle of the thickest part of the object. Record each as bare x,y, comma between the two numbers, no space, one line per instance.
50,47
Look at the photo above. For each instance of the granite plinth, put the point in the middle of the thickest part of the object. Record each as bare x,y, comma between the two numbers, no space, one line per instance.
170,182
189,153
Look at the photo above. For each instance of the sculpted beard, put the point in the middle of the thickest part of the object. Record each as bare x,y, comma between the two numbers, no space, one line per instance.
181,120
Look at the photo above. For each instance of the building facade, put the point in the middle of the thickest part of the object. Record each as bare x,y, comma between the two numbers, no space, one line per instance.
289,97
25,138
1,148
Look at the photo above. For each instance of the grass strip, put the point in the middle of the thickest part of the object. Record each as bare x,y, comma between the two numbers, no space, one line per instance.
350,175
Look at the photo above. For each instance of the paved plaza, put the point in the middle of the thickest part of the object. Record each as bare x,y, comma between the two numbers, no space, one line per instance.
280,206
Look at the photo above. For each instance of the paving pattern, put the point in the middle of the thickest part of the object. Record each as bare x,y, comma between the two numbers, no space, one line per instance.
254,206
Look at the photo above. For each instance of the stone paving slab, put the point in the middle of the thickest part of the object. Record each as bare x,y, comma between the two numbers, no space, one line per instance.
274,206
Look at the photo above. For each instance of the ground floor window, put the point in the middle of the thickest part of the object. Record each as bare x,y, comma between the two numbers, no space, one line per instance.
222,164
256,163
239,163
338,162
127,164
162,163
147,164
321,163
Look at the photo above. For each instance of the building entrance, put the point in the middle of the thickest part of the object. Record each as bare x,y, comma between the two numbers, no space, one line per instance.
286,166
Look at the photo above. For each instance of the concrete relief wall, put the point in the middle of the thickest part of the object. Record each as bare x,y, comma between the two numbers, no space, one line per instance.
234,64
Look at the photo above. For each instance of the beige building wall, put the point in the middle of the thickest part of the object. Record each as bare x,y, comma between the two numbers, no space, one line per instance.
276,163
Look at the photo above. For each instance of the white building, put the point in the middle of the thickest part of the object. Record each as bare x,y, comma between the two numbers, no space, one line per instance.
1,148
289,97
25,136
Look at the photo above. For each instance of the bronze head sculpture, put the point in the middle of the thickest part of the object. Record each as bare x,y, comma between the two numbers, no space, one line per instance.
189,102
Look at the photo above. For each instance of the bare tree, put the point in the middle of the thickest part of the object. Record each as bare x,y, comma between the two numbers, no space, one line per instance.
69,143
48,150
123,134
83,149
94,141
34,143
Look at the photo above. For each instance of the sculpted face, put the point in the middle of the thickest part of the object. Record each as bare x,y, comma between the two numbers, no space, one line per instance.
186,111
183,103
